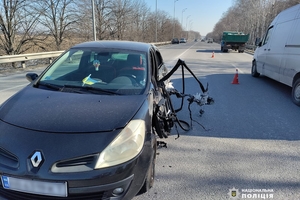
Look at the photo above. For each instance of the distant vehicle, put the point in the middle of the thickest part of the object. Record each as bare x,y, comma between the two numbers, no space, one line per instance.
234,40
278,54
196,40
175,41
182,40
210,40
202,40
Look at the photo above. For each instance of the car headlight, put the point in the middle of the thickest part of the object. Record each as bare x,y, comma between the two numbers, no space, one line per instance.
125,146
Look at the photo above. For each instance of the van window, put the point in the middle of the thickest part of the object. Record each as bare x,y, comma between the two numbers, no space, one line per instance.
268,35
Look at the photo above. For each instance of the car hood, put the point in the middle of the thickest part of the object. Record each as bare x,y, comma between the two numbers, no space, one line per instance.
52,111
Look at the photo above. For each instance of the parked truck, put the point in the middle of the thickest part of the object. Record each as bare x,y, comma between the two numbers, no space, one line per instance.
234,40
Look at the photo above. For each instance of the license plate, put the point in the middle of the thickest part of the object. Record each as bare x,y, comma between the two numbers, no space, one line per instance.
35,187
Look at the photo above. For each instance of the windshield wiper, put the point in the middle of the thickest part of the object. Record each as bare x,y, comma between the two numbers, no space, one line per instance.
92,89
52,86
77,89
60,88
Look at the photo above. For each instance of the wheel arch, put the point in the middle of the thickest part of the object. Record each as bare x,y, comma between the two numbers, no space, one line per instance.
296,77
295,89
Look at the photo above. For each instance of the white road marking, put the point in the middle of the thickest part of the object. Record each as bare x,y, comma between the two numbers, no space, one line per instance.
13,87
239,70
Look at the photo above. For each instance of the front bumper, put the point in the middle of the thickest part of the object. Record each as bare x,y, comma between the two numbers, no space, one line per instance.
107,191
93,184
114,183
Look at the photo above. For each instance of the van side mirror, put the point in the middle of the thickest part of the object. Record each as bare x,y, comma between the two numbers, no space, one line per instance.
257,42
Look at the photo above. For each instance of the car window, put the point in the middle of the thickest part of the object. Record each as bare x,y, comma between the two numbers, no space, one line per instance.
123,71
159,59
267,37
67,63
119,56
153,65
162,69
103,57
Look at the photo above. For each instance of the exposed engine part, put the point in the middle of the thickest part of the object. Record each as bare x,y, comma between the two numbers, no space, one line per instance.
165,115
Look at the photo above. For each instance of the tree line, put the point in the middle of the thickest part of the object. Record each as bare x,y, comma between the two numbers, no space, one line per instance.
29,26
250,17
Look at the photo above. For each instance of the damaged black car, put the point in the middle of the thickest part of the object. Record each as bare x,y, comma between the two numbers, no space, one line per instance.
87,126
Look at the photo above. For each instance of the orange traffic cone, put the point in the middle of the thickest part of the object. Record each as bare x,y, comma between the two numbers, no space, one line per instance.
236,78
213,54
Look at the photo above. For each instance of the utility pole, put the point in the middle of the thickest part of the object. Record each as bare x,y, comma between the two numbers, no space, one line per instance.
174,19
156,22
182,17
94,24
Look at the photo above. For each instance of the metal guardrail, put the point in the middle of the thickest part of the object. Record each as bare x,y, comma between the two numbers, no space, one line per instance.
26,57
35,56
250,48
53,54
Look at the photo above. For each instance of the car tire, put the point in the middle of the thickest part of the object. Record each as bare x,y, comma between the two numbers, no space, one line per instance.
254,72
159,127
149,181
296,92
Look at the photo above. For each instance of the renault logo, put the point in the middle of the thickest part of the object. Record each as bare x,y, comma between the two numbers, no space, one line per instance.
36,159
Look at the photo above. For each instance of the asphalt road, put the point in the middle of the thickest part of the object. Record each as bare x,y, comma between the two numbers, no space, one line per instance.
250,144
251,141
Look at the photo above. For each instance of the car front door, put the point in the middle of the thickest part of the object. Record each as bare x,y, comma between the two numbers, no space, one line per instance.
262,52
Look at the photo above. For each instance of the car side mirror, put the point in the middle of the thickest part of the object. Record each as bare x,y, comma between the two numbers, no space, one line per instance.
31,76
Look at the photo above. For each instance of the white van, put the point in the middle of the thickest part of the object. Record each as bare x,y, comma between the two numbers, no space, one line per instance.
278,54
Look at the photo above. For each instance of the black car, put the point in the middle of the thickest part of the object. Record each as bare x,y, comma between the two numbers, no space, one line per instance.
86,127
175,41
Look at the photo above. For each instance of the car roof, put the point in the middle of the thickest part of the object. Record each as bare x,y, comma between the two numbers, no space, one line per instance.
116,44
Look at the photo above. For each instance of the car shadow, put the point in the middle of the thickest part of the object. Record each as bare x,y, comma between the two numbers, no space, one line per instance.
208,51
255,108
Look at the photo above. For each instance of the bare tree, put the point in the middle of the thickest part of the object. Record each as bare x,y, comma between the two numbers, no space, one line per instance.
139,12
84,26
58,16
103,13
25,24
250,16
119,19
19,27
143,27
